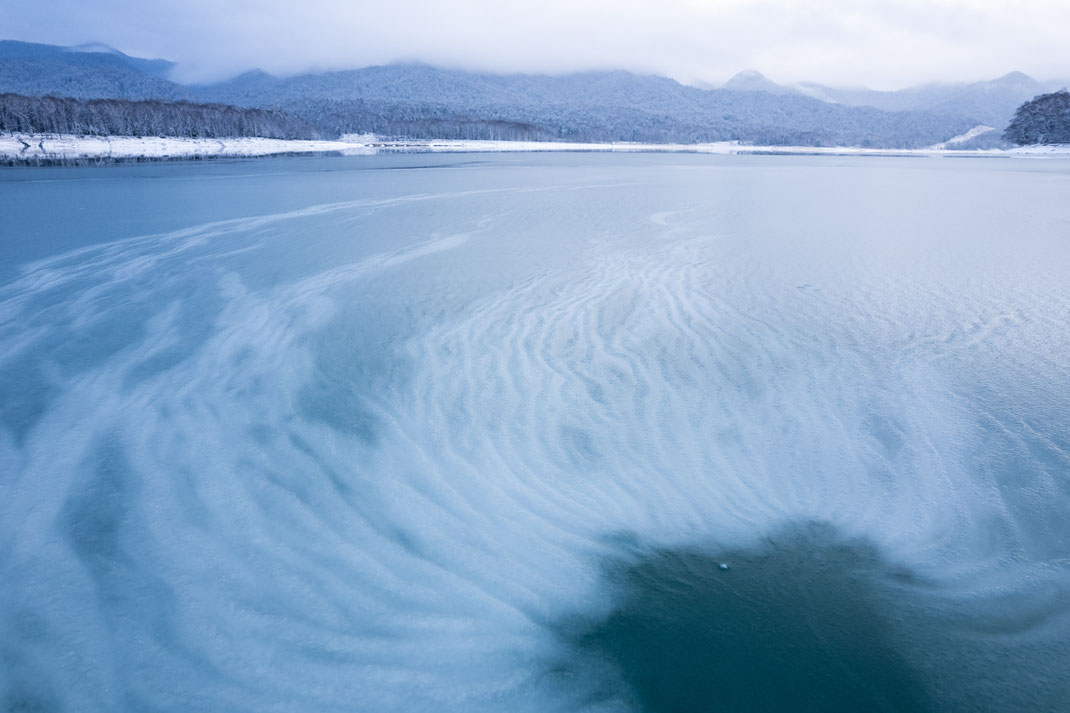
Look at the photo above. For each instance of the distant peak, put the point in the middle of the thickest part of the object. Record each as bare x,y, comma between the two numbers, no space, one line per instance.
1015,78
748,75
256,74
99,47
751,80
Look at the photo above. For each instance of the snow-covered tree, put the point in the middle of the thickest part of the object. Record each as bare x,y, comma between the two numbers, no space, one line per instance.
1043,120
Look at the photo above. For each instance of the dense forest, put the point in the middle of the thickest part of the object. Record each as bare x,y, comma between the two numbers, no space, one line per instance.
396,119
1044,120
753,119
122,117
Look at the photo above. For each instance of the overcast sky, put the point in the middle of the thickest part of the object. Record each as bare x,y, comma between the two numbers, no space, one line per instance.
880,43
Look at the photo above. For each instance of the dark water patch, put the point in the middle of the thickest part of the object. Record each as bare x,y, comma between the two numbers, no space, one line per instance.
795,624
93,516
27,393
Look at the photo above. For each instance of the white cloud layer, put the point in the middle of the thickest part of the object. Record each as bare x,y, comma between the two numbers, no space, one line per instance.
879,43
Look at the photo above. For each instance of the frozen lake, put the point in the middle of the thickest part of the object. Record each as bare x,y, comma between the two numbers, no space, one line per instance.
476,433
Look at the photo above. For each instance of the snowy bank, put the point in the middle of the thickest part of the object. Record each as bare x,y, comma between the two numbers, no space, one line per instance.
64,147
720,147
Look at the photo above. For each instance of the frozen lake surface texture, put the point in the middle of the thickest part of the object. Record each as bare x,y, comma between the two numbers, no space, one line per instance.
569,432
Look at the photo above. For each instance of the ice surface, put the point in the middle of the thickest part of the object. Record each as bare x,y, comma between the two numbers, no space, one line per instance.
319,434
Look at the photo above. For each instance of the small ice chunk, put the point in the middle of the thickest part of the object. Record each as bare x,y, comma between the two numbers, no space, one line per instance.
723,566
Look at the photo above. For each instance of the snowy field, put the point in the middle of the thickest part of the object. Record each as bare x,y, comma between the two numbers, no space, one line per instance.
16,147
529,432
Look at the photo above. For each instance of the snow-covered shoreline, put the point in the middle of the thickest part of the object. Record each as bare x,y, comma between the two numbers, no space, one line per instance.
67,147
26,148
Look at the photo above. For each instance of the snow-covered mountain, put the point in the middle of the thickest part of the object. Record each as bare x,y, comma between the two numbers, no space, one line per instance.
84,72
990,102
751,80
414,99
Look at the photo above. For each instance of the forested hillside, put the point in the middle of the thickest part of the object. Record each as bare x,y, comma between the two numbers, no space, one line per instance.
35,69
989,102
1044,120
121,117
807,124
418,101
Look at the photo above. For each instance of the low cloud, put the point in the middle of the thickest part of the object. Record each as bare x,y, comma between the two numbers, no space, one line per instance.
880,43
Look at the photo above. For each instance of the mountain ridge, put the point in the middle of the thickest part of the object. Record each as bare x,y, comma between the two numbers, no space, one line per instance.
421,100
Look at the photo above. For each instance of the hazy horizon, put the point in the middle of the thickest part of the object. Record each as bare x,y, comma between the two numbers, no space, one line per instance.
701,83
875,44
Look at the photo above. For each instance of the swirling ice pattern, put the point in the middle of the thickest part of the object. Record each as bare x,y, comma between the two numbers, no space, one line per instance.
180,530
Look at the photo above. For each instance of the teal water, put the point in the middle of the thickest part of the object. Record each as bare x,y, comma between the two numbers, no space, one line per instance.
475,432
804,621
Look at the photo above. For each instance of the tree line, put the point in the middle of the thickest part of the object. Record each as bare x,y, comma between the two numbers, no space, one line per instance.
1045,119
122,117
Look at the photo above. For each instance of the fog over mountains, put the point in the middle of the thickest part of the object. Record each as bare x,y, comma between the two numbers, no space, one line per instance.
426,102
